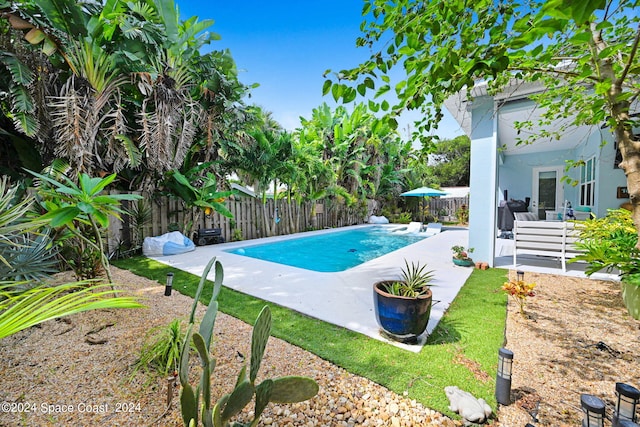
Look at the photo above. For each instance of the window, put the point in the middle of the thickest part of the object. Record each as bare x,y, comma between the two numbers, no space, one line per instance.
587,182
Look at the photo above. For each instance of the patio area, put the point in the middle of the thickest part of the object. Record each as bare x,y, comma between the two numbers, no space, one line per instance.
541,264
346,298
343,298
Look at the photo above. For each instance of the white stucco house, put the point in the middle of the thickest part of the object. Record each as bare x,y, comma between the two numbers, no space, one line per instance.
503,171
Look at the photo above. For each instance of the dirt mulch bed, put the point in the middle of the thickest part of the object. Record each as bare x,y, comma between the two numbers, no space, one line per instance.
576,338
79,372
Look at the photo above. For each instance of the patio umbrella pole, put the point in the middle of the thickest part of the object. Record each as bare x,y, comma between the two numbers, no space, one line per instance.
424,192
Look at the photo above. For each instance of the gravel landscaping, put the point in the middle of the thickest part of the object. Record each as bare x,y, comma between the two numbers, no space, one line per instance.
79,371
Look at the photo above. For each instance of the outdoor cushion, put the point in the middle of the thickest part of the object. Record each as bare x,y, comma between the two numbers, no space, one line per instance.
378,220
172,243
526,216
433,228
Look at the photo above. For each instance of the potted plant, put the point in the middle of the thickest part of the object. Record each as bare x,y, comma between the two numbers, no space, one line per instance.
461,256
403,306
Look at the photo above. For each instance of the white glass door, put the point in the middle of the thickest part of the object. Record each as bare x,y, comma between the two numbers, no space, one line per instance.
547,192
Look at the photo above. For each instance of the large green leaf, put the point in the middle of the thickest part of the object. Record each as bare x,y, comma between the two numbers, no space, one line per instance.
188,404
65,15
62,216
20,73
259,340
293,389
239,398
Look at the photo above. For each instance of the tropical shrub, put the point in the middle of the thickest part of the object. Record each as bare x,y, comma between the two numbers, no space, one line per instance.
519,290
281,390
198,192
140,215
26,256
609,243
20,308
82,212
462,213
461,253
236,235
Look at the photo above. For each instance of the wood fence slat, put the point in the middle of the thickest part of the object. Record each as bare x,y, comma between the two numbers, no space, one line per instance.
248,217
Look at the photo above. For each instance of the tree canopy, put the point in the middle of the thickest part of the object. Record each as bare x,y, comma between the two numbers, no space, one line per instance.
450,161
584,51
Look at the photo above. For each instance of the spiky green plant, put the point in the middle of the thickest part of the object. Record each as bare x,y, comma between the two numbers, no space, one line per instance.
414,282
30,258
281,390
162,349
25,255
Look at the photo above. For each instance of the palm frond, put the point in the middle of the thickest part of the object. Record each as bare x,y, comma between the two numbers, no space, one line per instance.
20,73
21,310
29,258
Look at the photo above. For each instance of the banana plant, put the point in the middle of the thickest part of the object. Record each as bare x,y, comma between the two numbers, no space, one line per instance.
205,197
288,389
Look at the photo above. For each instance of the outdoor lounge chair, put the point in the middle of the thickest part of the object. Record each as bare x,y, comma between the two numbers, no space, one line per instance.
412,227
432,228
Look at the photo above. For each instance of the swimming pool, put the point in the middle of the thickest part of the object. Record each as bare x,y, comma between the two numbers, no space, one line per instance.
330,252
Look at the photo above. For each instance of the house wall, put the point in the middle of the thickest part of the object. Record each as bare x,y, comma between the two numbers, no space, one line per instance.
515,173
608,178
483,177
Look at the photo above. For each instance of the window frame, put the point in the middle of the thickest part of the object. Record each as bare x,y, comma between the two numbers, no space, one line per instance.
588,182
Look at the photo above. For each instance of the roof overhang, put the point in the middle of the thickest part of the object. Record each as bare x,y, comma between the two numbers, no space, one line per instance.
512,105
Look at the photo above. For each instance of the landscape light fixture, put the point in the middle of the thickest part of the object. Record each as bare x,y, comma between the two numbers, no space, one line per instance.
520,275
627,402
503,378
593,408
167,288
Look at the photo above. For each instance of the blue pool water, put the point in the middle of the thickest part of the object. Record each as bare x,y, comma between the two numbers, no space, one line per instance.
330,252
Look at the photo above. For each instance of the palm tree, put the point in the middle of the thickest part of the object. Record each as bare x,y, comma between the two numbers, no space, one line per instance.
119,98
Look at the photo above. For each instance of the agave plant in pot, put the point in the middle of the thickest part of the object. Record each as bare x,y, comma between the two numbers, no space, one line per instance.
403,306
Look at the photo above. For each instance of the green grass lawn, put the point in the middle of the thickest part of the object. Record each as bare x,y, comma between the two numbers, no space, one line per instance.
462,351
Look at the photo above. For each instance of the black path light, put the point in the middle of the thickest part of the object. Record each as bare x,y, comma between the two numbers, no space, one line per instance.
520,275
167,288
503,378
627,402
593,408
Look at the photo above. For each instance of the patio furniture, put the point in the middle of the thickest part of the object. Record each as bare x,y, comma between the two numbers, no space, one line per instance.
432,229
545,238
412,227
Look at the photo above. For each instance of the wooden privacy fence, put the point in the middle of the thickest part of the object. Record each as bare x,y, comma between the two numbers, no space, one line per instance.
448,206
251,219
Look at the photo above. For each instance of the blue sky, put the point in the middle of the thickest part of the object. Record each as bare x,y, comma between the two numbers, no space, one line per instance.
286,46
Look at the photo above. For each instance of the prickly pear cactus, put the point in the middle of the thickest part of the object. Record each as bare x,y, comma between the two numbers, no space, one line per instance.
288,389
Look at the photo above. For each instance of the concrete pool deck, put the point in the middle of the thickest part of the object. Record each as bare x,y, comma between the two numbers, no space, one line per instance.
343,298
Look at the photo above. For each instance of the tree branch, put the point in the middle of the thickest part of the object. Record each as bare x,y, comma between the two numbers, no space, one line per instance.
632,54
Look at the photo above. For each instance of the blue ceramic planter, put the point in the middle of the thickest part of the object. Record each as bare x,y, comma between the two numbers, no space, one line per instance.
402,319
